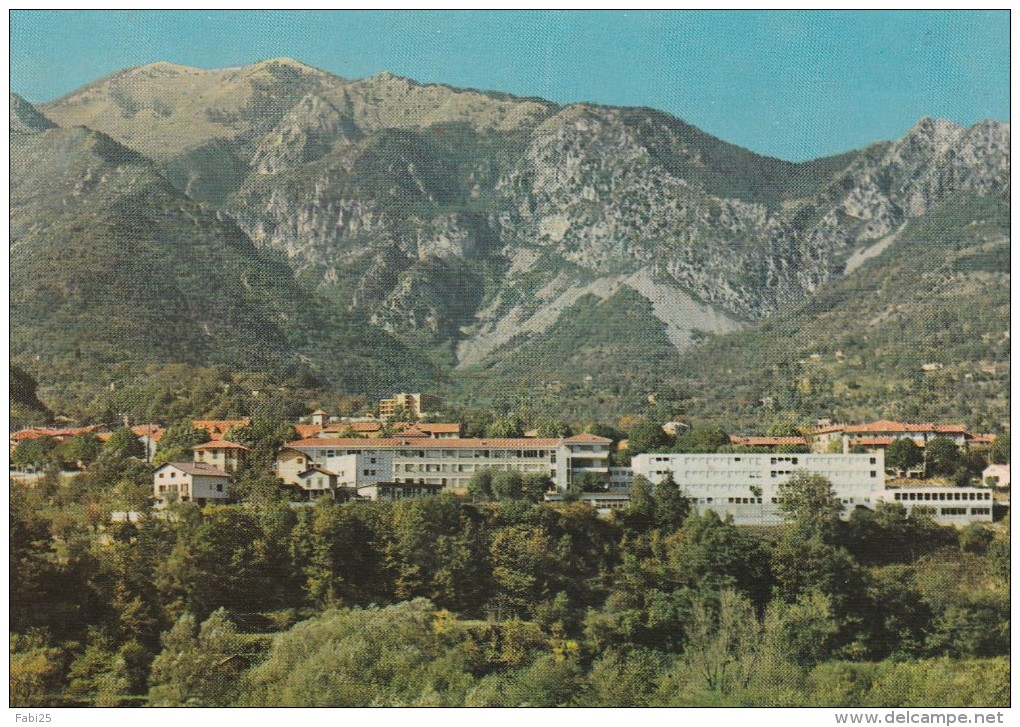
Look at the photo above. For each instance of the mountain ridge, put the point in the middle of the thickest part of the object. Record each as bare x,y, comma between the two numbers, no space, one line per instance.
455,219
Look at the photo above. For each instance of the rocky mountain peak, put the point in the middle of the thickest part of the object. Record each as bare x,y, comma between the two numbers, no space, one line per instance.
306,133
25,119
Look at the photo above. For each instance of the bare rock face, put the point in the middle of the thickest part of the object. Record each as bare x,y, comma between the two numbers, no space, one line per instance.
439,212
307,133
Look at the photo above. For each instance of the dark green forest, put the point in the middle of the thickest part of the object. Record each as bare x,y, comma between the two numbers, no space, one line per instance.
444,601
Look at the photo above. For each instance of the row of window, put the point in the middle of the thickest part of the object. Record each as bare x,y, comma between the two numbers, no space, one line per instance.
447,454
941,496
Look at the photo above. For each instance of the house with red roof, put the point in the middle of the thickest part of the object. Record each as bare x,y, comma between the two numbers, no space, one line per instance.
878,435
217,428
221,454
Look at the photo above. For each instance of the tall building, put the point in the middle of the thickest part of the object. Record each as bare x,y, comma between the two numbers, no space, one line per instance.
415,405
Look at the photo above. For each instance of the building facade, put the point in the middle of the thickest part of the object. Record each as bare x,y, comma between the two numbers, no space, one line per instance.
414,404
189,482
450,463
875,436
746,486
221,454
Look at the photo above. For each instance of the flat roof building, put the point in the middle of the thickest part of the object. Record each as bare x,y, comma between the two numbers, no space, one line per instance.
450,463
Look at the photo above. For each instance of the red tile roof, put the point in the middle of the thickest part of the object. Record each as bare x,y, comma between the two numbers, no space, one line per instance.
983,438
307,430
37,432
153,431
874,441
768,441
888,426
426,443
430,427
218,427
316,468
221,444
585,437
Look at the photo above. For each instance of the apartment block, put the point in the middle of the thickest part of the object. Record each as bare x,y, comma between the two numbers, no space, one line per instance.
413,404
746,486
449,463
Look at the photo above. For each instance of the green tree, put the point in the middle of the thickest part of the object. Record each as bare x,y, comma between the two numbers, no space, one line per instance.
646,436
36,453
480,485
177,443
810,502
903,455
725,640
123,444
802,632
783,428
590,482
510,426
941,457
535,485
671,505
710,555
507,486
521,568
999,452
623,677
705,439
35,671
554,428
640,512
199,666
403,654
435,550
80,451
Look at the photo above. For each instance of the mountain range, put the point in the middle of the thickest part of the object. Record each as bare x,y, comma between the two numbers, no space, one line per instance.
380,233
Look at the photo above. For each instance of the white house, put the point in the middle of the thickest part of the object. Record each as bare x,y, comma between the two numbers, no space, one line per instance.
189,482
996,474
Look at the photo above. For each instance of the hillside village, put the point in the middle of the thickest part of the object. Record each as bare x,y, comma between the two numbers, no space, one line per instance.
955,474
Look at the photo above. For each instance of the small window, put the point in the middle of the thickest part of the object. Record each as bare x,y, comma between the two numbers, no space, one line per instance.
874,473
219,488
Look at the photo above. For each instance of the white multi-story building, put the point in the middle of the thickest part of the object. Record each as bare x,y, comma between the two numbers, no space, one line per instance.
746,486
954,505
447,462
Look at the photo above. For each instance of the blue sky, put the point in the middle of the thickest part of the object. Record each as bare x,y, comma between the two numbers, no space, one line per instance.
796,85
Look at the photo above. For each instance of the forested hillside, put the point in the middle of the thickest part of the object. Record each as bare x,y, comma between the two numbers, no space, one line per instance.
438,601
